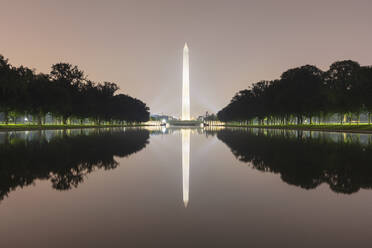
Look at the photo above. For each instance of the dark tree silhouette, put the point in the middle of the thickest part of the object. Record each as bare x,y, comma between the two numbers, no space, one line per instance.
66,94
305,92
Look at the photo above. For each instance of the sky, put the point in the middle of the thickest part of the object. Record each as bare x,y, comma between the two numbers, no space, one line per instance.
138,44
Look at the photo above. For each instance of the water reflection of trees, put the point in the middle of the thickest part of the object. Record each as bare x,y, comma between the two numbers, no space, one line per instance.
63,158
306,159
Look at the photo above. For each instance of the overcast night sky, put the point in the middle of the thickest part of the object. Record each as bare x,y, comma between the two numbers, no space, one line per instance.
138,44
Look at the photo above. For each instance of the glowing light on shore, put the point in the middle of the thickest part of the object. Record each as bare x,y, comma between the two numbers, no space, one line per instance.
185,165
185,85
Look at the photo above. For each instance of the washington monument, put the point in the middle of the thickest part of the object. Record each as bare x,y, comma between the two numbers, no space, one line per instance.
185,85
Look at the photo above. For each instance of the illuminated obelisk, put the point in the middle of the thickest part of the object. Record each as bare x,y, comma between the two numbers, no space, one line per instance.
185,85
185,164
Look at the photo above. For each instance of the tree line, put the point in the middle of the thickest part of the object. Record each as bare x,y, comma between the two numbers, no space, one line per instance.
306,93
66,94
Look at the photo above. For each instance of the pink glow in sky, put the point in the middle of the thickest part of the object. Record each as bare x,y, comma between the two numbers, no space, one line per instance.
138,44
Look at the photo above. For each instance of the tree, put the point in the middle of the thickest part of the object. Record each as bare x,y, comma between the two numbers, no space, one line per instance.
68,80
341,79
364,89
39,98
303,91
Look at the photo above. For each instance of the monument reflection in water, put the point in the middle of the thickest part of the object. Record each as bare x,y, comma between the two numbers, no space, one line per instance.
185,164
304,159
252,188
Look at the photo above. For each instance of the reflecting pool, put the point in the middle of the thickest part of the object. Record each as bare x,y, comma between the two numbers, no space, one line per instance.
185,187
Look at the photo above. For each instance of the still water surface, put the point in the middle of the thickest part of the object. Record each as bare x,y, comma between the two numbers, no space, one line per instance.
185,188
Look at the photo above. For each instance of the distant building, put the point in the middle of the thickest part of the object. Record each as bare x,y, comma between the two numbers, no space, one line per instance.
157,117
200,118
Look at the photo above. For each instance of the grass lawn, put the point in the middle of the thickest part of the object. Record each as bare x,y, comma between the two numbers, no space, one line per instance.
54,126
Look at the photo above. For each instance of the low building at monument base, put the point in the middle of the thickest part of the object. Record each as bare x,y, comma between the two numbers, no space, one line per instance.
185,123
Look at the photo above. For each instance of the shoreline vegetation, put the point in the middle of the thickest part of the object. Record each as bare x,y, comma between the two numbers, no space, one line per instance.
64,96
329,127
307,96
347,128
353,128
30,127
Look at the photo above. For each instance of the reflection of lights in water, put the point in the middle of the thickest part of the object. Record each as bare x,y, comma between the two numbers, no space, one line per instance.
163,129
185,164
